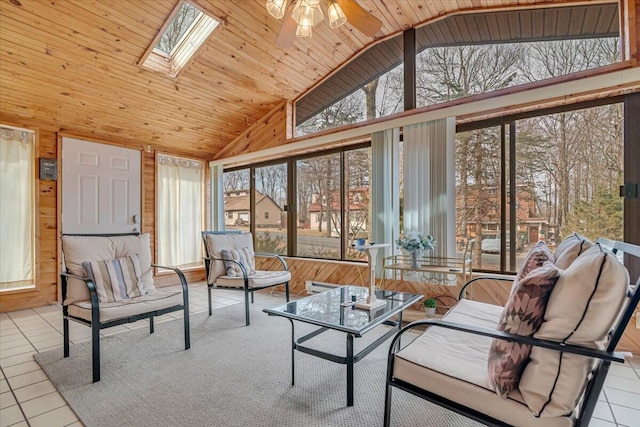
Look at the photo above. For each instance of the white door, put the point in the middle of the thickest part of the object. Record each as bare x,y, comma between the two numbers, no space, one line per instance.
100,188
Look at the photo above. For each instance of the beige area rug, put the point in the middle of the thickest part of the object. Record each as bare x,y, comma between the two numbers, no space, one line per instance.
232,376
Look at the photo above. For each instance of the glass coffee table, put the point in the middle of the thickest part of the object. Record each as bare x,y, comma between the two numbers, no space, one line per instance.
334,310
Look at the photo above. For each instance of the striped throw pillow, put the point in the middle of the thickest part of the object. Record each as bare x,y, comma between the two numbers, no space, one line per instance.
243,256
116,279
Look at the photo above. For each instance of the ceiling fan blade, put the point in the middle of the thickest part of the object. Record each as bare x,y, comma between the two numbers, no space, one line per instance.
287,34
362,20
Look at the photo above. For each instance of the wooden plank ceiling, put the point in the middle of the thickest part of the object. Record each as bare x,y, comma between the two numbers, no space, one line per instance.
72,65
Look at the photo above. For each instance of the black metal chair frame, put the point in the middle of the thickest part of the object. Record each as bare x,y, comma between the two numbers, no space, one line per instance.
246,289
594,385
95,323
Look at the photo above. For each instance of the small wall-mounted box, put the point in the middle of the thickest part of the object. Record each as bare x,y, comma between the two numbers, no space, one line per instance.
48,169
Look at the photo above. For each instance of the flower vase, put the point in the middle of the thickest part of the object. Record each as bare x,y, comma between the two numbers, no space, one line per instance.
415,257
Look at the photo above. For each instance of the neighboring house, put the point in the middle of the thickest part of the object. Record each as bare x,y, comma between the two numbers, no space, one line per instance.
531,225
237,209
358,212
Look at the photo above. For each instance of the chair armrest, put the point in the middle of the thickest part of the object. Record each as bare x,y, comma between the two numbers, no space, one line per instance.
183,280
478,330
464,288
93,293
282,260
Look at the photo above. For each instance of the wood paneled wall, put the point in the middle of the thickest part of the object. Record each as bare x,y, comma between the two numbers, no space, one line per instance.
270,131
47,233
345,273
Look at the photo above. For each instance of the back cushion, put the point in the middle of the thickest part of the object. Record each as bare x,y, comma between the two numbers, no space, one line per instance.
217,242
78,249
241,256
570,249
583,307
130,245
522,315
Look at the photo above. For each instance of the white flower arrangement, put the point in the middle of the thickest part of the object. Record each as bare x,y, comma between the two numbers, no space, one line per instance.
413,241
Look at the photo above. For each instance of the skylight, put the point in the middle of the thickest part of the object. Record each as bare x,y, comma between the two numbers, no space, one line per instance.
182,36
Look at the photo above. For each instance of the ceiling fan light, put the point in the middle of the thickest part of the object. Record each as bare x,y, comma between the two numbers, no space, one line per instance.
307,13
337,17
276,8
304,31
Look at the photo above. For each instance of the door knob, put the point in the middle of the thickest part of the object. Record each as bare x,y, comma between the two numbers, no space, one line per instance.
136,219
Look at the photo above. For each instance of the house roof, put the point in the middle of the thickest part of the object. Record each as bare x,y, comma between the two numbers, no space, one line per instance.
75,64
242,203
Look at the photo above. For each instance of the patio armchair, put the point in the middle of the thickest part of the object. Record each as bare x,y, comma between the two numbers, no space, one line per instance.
546,370
230,264
107,281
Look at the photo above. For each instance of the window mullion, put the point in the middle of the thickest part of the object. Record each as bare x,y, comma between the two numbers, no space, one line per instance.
343,226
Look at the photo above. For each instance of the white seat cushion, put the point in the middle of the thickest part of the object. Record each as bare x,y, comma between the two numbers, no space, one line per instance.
154,300
260,279
453,365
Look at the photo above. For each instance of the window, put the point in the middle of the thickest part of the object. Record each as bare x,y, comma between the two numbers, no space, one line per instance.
17,209
381,97
270,184
184,35
325,183
513,47
236,199
477,178
179,209
357,205
566,171
319,206
442,72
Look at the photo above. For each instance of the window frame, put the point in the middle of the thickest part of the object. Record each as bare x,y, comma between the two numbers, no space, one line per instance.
291,207
188,47
508,192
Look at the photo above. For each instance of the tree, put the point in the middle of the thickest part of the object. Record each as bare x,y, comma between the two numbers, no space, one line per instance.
178,27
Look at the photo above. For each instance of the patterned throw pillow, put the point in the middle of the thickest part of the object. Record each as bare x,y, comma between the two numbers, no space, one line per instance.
522,315
243,256
535,258
116,279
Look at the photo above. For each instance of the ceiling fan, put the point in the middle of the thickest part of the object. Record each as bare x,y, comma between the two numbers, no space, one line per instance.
300,16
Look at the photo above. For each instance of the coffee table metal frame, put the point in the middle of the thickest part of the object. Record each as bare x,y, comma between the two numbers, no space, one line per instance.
352,332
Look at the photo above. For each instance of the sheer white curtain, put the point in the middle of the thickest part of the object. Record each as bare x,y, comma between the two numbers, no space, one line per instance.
429,182
17,209
385,191
179,211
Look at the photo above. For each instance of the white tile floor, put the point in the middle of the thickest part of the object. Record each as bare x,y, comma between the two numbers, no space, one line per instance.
28,398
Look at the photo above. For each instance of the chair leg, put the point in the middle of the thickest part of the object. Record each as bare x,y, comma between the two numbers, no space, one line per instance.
209,289
246,306
95,350
387,406
286,290
187,330
65,328
151,330
251,297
